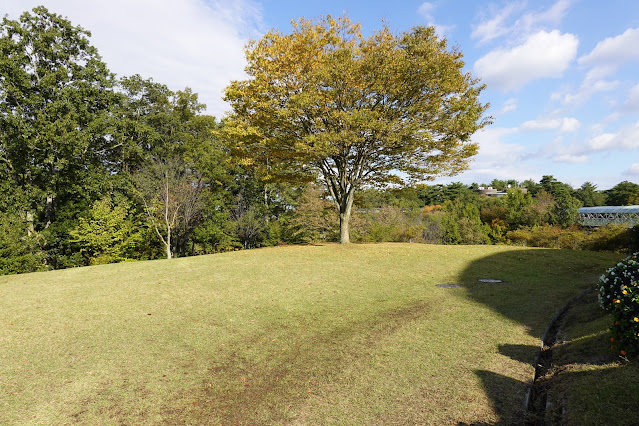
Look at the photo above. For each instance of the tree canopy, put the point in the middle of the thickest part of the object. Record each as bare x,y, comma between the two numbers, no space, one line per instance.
325,101
55,96
97,169
623,194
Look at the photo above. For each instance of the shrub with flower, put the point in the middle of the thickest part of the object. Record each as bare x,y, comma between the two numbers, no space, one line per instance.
619,295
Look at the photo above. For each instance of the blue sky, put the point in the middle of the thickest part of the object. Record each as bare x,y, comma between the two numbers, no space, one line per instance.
562,76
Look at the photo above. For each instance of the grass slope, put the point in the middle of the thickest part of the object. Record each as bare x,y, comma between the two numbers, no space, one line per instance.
589,383
303,334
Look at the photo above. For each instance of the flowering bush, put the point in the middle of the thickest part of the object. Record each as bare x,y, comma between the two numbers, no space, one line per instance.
615,280
619,295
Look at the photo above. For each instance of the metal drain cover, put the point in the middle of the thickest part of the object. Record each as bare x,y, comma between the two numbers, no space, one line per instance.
489,280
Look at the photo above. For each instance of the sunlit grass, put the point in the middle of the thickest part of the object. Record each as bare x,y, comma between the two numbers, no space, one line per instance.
307,334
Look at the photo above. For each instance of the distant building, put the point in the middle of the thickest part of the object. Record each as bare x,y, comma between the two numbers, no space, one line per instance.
605,215
492,192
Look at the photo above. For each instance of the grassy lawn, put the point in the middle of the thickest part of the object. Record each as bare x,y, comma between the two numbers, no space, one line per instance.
328,334
589,383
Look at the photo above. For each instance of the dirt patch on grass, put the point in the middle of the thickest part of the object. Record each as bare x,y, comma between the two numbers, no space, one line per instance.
240,390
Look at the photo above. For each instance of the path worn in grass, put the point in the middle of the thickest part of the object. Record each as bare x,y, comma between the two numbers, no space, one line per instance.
306,335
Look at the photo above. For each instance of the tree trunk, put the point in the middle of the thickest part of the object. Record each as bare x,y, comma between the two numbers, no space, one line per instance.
345,208
344,235
49,210
167,219
29,220
168,243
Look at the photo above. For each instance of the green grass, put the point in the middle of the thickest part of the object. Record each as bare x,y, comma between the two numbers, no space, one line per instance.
330,334
590,383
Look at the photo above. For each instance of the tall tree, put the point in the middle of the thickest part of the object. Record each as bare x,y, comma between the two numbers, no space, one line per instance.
172,196
55,99
589,196
565,210
623,194
532,186
170,149
518,205
325,101
552,186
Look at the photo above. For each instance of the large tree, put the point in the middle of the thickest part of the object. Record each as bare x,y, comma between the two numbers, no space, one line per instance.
325,101
55,101
172,155
623,194
589,196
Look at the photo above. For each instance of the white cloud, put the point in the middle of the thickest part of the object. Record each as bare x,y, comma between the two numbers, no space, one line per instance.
614,51
570,158
425,10
569,124
496,158
588,88
508,106
496,26
552,16
602,141
606,57
194,43
566,124
559,152
530,22
627,138
632,103
600,126
633,170
544,54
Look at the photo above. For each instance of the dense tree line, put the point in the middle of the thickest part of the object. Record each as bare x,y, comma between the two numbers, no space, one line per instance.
533,213
99,169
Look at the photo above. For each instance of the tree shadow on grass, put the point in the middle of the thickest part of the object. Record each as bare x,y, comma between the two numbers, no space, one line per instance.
589,382
536,283
521,353
503,392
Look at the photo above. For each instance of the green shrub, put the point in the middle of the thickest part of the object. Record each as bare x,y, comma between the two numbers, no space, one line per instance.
616,238
473,231
572,238
519,237
388,223
450,226
539,236
610,238
619,295
109,234
432,231
633,238
21,251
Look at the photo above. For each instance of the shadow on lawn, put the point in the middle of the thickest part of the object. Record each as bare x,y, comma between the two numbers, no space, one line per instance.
503,392
536,284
